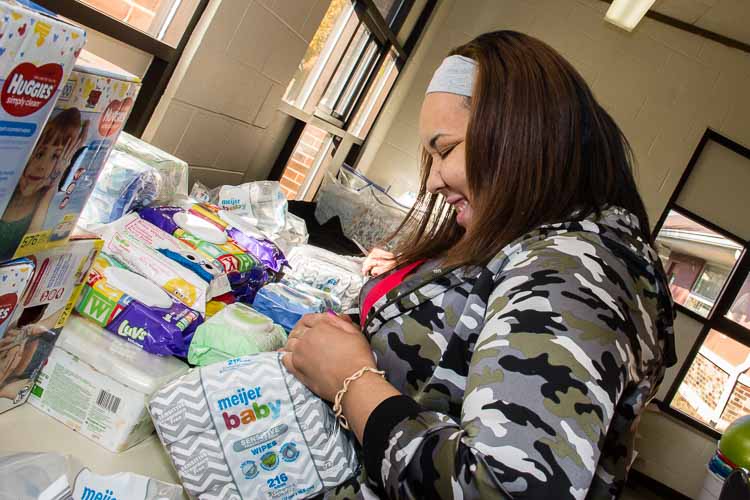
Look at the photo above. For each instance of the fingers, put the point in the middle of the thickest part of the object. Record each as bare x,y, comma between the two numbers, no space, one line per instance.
288,361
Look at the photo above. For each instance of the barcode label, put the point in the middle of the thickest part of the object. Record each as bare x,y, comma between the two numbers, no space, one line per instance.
108,401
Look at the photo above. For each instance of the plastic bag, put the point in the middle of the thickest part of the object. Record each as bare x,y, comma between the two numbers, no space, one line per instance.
125,184
26,476
246,428
368,215
172,170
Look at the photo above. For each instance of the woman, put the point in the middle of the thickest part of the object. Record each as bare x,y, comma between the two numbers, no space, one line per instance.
528,322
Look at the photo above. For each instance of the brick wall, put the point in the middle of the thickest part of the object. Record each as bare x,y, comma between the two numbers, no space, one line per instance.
137,13
739,403
707,380
302,160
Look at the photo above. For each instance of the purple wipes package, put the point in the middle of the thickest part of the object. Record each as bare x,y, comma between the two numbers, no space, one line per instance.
162,217
133,307
265,250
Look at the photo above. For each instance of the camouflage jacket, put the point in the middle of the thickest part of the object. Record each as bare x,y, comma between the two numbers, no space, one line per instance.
524,378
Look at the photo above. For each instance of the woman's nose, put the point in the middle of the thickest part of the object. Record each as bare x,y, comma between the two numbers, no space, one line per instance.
435,180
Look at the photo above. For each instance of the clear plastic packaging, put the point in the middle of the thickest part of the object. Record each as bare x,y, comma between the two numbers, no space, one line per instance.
27,476
368,214
246,428
125,184
341,276
285,305
172,171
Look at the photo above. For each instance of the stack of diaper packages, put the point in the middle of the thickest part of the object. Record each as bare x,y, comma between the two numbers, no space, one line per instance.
135,308
194,227
340,276
237,330
98,384
246,428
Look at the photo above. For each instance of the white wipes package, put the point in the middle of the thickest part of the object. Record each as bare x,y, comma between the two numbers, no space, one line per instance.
247,429
340,276
123,486
98,384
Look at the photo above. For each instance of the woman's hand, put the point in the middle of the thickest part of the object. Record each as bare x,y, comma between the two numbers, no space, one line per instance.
379,261
323,350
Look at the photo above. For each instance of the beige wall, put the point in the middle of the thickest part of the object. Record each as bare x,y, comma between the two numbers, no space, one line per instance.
219,112
663,86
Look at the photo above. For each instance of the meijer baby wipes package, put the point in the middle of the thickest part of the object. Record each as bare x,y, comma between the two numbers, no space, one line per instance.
37,54
247,429
98,384
92,108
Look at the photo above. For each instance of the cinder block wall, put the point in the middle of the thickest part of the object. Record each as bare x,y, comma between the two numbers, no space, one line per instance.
662,85
219,112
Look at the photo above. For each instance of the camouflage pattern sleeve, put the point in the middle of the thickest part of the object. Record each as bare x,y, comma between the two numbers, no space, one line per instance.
544,379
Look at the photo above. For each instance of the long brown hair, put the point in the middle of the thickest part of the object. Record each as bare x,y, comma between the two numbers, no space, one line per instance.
539,149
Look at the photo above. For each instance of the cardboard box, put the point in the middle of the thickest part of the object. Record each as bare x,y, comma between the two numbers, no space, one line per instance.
37,53
89,115
36,322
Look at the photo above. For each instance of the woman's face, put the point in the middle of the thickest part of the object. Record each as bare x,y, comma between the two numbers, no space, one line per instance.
442,130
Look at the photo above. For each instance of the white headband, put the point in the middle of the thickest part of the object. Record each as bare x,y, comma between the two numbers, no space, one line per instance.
455,75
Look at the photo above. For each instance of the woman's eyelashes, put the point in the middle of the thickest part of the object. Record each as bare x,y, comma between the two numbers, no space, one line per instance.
445,152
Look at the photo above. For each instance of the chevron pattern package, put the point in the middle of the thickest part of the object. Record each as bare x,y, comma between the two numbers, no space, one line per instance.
247,429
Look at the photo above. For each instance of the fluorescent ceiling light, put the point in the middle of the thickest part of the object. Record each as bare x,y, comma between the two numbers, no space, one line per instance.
626,14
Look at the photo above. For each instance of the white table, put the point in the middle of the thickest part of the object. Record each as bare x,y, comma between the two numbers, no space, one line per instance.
27,429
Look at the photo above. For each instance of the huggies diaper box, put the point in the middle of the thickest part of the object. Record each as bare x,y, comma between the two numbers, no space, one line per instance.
65,164
37,53
98,384
44,308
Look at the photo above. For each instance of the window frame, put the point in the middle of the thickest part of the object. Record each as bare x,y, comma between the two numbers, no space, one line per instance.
716,319
164,56
385,38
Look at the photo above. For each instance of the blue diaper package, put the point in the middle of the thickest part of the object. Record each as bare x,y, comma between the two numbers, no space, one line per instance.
285,305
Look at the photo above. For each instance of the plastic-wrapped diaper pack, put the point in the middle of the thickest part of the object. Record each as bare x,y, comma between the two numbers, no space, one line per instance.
123,486
331,302
124,184
237,330
285,305
246,428
173,172
98,385
262,201
341,276
135,308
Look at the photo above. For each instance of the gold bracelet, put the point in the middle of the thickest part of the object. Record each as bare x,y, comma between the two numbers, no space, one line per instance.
337,410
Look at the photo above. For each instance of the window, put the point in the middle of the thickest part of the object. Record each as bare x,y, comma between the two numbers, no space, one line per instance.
697,261
145,37
341,84
164,20
702,241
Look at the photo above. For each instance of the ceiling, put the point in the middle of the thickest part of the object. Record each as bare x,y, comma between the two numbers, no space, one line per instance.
729,18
